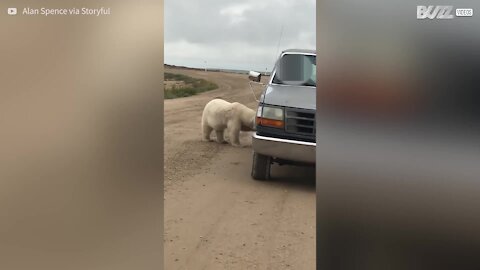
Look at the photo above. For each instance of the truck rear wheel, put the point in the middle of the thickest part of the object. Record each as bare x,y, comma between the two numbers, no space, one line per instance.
261,167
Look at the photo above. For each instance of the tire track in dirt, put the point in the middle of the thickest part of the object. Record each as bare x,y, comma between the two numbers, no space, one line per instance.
189,158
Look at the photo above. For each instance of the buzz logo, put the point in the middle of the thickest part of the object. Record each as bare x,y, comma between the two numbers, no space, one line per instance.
434,12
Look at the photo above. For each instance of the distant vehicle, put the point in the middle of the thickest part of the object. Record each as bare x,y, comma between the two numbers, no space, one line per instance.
285,122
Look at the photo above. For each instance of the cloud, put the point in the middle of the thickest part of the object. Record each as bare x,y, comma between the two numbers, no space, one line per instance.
236,12
229,34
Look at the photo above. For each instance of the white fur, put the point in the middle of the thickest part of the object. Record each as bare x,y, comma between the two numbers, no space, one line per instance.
219,115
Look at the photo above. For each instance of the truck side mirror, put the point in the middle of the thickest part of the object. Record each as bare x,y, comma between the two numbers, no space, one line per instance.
254,76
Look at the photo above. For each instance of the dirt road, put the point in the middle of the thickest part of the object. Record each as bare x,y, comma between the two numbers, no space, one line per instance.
216,216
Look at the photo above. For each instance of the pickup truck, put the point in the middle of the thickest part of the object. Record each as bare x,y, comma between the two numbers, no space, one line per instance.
285,121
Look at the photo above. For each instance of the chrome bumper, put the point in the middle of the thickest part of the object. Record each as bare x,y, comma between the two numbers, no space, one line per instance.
284,149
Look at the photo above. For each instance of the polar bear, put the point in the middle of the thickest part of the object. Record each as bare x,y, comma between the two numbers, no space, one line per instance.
219,115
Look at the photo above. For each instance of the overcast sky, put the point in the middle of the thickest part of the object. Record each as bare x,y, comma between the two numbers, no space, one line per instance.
236,34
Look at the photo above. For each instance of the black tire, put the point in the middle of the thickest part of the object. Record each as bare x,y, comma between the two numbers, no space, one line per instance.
261,167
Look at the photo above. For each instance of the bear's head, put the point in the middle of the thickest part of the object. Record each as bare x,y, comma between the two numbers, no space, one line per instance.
249,124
